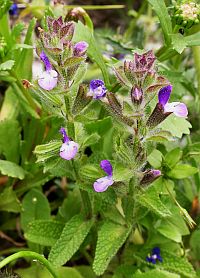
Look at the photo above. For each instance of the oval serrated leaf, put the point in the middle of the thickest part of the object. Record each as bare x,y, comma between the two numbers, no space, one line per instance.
150,199
70,240
44,232
34,206
110,238
11,169
182,171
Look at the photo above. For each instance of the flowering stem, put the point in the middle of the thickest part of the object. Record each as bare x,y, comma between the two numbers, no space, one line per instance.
29,254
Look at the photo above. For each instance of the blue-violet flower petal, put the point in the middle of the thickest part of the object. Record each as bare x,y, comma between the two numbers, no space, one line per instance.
97,89
164,95
107,167
102,184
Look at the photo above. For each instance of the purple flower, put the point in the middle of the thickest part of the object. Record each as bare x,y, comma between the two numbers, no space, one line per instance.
80,48
69,148
102,184
179,109
13,9
155,255
48,79
97,89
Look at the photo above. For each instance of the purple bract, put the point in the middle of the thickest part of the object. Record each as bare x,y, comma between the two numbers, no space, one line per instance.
103,183
179,109
97,89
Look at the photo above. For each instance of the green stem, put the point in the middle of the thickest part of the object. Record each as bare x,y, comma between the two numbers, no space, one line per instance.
29,254
25,92
196,56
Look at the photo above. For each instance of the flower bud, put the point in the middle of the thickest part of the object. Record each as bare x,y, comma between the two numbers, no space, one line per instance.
150,176
187,14
136,95
80,48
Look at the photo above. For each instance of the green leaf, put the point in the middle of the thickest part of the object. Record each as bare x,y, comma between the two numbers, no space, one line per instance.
7,65
17,30
10,106
162,13
158,273
91,140
73,61
176,125
171,262
5,6
9,201
173,157
10,139
155,159
46,151
35,206
39,270
193,40
108,197
169,230
160,136
83,33
44,232
89,171
179,42
70,240
110,238
151,200
25,59
182,171
195,244
121,173
11,169
23,45
70,206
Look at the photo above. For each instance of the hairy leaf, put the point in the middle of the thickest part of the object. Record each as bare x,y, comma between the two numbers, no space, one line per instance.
70,240
151,200
34,206
11,169
44,232
9,201
110,238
